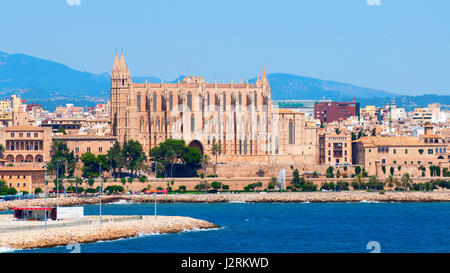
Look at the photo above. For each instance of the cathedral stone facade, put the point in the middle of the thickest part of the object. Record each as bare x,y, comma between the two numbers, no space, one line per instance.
239,117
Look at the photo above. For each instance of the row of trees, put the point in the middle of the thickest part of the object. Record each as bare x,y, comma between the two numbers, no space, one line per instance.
172,153
5,190
131,157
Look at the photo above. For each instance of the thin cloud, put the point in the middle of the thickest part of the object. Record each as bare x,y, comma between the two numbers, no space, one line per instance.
373,2
73,2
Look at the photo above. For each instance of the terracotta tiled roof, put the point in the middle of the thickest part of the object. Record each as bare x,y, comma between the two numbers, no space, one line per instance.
288,111
390,141
431,136
13,168
24,128
84,137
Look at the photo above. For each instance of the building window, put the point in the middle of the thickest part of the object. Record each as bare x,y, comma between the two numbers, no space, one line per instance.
77,149
276,145
12,134
155,100
240,101
291,132
170,102
88,149
138,99
420,151
36,146
100,149
395,151
189,101
28,134
430,151
192,123
36,135
406,151
224,102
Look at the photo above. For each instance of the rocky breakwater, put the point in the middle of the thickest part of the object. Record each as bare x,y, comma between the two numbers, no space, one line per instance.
105,232
63,202
298,197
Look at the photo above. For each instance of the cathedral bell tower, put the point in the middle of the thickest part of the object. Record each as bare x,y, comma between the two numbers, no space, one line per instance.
120,89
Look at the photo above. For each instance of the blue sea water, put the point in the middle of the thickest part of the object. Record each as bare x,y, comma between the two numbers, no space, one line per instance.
298,228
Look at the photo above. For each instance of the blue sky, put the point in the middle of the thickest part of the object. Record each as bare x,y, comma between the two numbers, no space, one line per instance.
400,46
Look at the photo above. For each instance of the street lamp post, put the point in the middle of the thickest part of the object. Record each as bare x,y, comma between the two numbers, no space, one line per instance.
57,188
101,189
45,197
156,176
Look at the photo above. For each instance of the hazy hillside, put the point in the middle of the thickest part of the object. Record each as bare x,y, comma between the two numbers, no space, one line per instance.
288,86
52,84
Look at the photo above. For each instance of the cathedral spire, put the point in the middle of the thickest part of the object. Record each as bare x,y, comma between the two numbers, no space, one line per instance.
122,59
264,72
116,60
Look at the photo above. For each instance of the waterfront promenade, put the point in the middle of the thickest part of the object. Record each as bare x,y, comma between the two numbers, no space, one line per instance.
94,232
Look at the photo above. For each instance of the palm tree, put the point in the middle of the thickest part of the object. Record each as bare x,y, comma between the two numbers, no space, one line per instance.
205,163
391,181
216,150
358,178
406,180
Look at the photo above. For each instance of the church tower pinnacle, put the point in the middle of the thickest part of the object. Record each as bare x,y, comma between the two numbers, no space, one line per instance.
120,90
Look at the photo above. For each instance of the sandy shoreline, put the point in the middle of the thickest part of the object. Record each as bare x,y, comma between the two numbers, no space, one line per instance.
106,232
287,197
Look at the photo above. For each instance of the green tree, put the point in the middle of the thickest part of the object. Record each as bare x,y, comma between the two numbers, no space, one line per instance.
406,181
391,181
133,155
61,158
202,186
2,150
115,157
272,184
61,130
330,172
216,185
392,170
171,152
90,165
296,181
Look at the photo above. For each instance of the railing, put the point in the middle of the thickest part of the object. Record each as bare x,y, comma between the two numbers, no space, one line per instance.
69,224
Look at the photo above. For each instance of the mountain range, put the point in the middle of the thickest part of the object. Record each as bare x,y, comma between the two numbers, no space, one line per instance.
52,84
